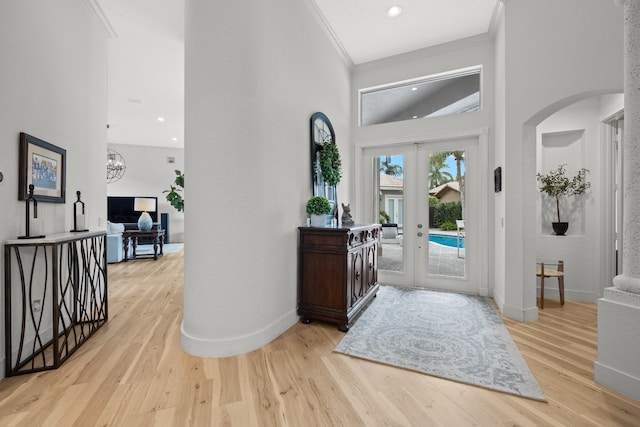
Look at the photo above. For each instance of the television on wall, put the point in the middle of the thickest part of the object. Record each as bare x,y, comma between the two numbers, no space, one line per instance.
120,209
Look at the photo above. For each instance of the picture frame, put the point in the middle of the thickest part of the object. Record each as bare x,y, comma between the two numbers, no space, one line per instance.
43,165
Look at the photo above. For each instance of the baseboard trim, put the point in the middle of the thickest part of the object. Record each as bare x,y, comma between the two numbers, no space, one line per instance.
616,380
520,314
206,347
569,294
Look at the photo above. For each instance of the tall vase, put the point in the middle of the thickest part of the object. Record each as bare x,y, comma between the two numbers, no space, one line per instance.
332,196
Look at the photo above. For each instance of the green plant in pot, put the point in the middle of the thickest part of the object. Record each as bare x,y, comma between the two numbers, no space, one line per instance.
318,208
558,185
174,197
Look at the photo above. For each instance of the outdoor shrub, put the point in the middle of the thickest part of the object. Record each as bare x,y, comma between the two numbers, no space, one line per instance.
447,212
433,201
448,226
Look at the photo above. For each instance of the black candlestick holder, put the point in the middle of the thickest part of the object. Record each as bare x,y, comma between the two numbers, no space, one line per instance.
79,219
27,214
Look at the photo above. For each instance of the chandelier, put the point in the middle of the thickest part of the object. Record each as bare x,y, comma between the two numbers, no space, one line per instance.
115,166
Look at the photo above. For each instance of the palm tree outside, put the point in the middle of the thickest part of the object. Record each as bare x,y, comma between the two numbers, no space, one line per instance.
438,173
458,156
388,168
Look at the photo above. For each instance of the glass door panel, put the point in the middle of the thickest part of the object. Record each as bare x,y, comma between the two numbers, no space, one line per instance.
445,189
446,211
390,201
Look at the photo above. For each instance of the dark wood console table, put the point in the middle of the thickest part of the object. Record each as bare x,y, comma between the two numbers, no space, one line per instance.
337,272
57,299
157,235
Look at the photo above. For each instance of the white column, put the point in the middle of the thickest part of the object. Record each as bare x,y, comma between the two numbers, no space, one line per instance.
629,280
619,309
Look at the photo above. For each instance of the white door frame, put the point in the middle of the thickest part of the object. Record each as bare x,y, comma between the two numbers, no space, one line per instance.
479,273
423,278
612,180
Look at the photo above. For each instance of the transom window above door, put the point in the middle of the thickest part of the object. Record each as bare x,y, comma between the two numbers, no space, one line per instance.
453,92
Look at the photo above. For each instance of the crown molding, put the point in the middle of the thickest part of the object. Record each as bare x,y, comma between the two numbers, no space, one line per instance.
101,19
498,11
331,35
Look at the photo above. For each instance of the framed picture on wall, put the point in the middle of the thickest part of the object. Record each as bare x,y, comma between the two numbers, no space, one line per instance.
43,165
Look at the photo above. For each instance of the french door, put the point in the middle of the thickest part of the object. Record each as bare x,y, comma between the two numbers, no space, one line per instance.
433,241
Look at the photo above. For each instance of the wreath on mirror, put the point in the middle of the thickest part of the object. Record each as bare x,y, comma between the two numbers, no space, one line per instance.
330,163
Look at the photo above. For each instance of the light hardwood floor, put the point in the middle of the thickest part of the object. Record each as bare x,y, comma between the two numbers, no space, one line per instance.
134,373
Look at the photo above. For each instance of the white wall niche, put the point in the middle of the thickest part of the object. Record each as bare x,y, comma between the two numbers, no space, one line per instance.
562,148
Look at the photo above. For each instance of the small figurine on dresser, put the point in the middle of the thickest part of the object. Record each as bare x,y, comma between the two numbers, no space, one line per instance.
347,219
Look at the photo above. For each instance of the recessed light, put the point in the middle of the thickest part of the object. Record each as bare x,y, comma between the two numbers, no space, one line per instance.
414,89
174,139
394,11
415,117
161,119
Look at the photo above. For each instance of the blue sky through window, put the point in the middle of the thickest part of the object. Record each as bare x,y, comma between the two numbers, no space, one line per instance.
451,164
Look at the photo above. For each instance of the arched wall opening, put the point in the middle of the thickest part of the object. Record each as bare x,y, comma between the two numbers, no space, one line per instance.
571,131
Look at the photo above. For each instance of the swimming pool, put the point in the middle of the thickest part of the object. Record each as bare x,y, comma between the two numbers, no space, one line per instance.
446,240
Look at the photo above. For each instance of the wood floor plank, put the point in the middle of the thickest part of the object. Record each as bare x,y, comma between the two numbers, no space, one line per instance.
133,372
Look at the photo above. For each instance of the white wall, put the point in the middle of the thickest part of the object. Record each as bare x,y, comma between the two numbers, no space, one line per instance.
555,53
149,174
496,275
255,73
53,79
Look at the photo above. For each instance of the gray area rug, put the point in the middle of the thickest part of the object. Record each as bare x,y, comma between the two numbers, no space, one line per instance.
452,336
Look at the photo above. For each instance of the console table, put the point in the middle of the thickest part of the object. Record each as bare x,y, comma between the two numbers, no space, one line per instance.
57,299
156,234
337,272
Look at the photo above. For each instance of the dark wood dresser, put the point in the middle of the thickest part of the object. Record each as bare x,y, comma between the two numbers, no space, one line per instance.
337,272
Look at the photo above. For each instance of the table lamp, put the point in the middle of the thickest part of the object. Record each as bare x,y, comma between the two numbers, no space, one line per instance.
144,205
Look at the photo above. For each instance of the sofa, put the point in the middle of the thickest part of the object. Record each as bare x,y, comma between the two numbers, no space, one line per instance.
115,250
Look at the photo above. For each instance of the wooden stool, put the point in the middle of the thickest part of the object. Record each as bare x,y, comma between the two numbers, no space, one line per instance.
542,272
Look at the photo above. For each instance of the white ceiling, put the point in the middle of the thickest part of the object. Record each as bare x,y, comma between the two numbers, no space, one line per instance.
367,33
145,72
146,51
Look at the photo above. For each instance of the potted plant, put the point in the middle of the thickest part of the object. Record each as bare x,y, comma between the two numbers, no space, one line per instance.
174,197
557,185
318,207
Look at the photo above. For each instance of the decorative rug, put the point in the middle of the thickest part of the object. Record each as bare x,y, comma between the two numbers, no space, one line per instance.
452,336
167,248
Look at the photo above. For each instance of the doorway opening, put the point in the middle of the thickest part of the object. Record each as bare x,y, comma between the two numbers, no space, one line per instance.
428,200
